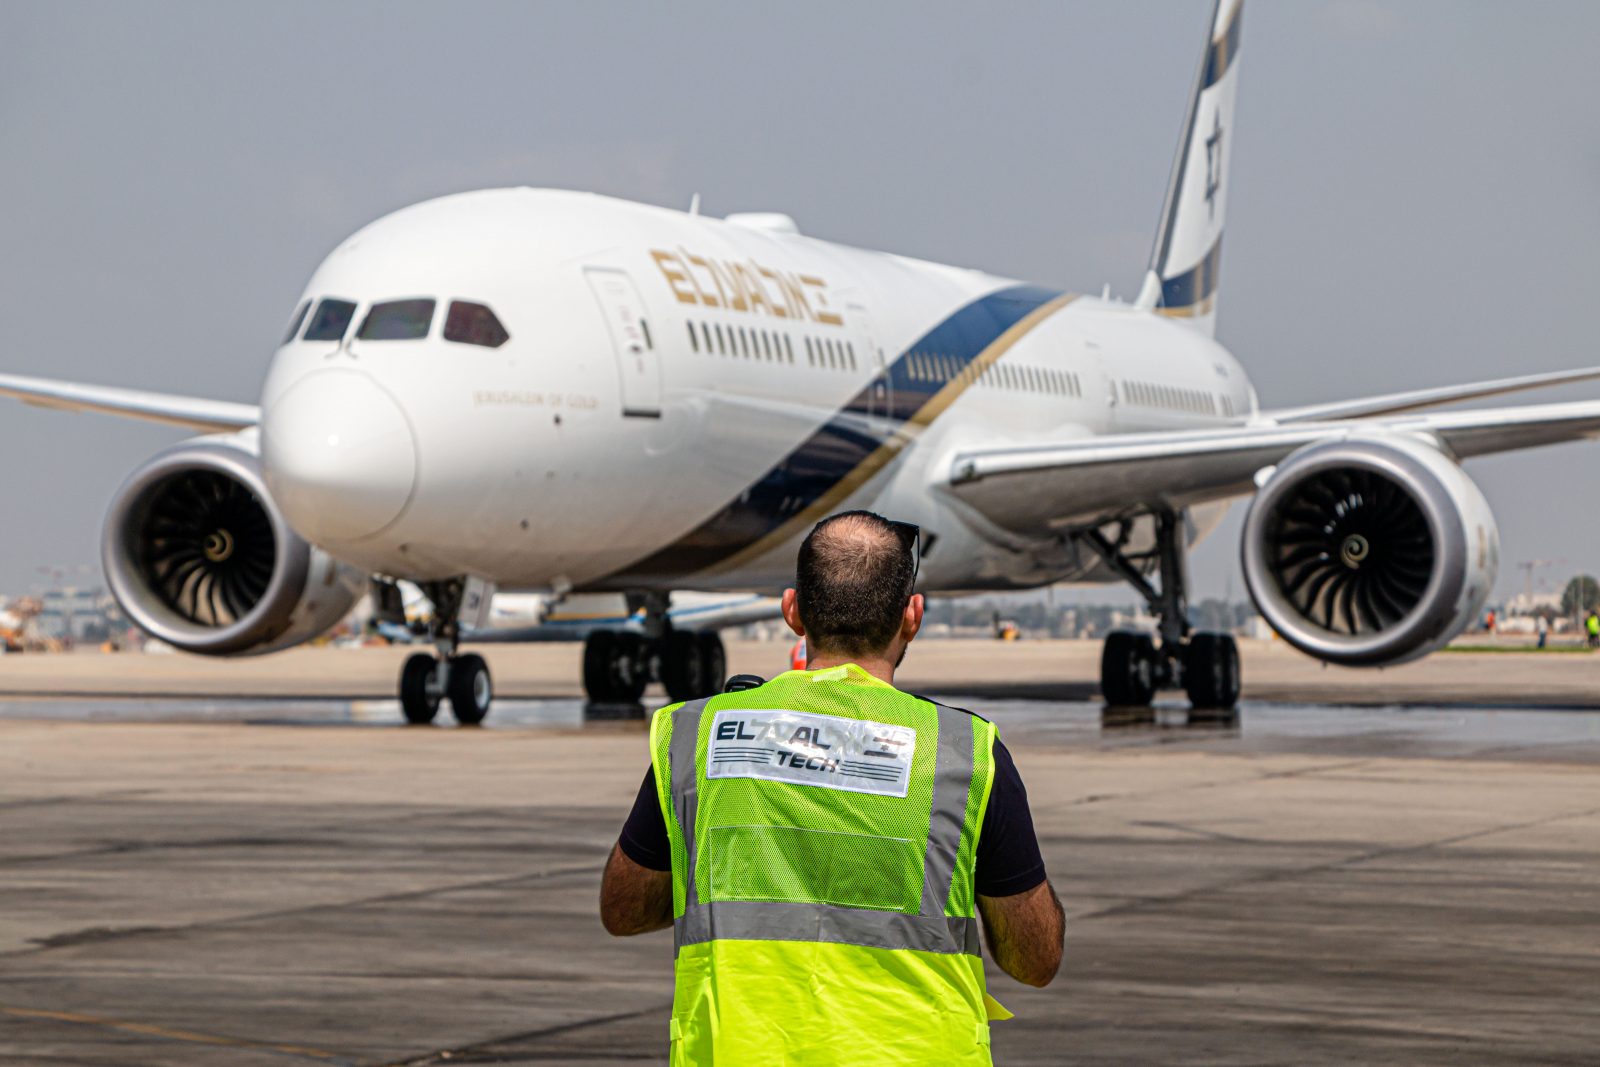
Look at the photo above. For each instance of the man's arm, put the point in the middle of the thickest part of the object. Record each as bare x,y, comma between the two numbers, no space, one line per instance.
1021,915
634,899
1025,933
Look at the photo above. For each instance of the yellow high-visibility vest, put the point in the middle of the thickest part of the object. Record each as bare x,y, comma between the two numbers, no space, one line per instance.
823,831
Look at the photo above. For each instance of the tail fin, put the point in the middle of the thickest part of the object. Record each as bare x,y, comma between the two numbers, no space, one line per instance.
1182,281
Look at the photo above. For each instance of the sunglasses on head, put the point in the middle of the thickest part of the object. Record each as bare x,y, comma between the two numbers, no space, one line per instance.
910,535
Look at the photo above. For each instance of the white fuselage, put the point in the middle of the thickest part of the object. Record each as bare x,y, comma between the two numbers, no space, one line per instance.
680,398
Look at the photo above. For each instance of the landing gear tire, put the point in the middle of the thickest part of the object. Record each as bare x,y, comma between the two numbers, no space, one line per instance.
471,690
419,699
715,658
692,665
1128,670
1211,672
614,668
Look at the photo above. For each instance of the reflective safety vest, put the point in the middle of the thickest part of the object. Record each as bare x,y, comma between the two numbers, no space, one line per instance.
823,831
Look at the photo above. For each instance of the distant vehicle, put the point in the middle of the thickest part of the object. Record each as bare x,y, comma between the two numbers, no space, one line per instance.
537,390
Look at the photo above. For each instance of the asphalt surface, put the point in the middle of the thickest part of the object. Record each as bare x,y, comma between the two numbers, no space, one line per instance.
264,877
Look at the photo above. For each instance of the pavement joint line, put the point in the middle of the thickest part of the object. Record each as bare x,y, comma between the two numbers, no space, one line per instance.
1265,776
384,898
212,842
447,1055
164,1033
81,798
1147,903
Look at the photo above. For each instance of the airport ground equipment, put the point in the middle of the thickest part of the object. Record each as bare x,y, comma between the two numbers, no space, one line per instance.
661,401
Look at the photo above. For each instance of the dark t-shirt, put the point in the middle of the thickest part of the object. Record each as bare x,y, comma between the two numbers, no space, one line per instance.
1008,860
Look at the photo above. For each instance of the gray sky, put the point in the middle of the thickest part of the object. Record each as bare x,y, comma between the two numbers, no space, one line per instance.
1414,191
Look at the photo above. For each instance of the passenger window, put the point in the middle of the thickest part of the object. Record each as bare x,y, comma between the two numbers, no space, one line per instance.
720,346
297,321
788,349
397,320
694,342
705,337
331,320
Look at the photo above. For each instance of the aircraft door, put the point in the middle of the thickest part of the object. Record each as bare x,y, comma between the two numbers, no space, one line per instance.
638,363
879,395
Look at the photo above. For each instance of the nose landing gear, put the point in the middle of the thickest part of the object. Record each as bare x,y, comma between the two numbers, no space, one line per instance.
427,680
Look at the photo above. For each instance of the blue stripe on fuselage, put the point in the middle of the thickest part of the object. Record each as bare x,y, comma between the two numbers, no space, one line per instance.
842,443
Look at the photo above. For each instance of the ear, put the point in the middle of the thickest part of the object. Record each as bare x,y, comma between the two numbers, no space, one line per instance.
911,621
791,613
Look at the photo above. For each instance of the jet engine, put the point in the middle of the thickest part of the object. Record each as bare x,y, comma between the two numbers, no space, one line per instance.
199,556
1369,551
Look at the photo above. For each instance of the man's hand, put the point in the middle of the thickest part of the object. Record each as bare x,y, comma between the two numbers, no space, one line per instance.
634,899
1025,933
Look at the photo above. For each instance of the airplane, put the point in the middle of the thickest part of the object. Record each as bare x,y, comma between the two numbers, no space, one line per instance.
557,392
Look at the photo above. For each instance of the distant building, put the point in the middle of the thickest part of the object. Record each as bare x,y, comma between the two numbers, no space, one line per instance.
1534,604
82,616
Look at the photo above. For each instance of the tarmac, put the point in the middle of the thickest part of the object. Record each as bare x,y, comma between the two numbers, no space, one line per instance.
254,863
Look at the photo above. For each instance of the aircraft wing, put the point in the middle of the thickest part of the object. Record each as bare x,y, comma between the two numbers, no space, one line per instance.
191,413
1416,399
1041,489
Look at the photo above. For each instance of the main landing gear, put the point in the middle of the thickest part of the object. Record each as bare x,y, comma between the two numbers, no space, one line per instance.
617,665
1134,666
427,680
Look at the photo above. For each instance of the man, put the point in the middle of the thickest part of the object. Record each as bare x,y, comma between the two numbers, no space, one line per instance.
820,844
1592,625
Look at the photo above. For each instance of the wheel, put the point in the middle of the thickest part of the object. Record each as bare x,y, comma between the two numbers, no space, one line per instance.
683,667
630,668
1211,671
613,668
419,700
598,653
715,661
1128,670
471,691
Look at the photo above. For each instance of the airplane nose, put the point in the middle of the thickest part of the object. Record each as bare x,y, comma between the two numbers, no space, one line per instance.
339,456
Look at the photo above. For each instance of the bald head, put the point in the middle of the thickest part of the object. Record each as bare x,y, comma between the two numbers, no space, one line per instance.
852,583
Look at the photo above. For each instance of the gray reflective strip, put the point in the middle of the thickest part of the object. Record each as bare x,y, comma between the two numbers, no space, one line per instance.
681,750
745,920
952,780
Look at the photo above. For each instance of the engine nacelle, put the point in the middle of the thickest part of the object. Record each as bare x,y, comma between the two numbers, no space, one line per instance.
1369,551
199,556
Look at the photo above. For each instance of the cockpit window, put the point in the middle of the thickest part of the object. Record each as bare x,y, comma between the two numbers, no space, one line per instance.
397,320
296,322
331,320
474,324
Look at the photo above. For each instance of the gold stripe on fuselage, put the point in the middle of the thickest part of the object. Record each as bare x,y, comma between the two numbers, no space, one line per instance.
904,435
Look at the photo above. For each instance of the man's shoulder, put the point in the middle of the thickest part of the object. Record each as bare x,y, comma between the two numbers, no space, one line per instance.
946,707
